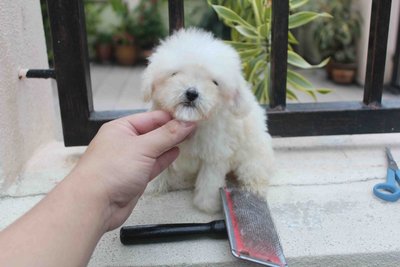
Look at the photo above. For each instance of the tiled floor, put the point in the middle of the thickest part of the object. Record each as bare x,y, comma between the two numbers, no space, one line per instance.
116,87
339,92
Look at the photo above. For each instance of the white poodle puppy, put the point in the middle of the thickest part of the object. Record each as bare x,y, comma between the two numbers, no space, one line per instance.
196,77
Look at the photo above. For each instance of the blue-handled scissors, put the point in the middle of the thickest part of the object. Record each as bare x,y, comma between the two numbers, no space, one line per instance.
389,191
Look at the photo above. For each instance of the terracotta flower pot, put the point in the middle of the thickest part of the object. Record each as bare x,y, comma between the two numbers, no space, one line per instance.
341,73
343,76
126,54
103,52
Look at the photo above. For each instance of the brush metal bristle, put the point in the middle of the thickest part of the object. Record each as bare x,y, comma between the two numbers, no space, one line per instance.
251,230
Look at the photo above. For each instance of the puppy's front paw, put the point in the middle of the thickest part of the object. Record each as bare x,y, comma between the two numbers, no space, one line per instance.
209,202
260,190
254,177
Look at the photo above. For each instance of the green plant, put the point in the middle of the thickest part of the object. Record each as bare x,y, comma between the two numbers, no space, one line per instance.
250,23
47,31
125,31
123,38
92,17
336,38
121,9
211,23
104,38
150,27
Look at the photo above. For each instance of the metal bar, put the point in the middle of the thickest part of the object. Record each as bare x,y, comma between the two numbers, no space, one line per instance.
334,118
396,60
279,45
176,15
36,73
67,22
378,36
307,119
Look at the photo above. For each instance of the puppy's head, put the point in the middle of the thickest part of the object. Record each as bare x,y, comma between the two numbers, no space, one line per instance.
193,76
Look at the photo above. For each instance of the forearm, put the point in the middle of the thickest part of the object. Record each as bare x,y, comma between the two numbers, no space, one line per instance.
99,194
62,230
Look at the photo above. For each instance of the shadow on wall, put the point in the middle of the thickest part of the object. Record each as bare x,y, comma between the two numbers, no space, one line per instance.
27,119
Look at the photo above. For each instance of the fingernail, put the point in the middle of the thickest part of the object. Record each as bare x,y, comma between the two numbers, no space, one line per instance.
187,123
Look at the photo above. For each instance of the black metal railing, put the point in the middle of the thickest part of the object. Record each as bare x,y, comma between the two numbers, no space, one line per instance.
370,115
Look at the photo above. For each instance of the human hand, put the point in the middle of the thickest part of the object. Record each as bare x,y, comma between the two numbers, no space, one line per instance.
126,154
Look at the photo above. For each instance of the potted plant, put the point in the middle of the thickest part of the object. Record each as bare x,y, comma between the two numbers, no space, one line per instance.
103,47
150,27
125,48
337,38
250,23
93,13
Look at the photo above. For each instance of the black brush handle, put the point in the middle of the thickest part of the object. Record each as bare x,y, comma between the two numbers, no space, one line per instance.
142,234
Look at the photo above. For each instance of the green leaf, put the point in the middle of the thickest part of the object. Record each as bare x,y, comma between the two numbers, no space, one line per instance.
292,39
324,91
264,95
304,17
264,30
235,35
299,80
255,70
119,7
312,94
230,15
297,3
300,83
296,60
301,89
258,90
241,45
247,32
291,95
250,64
267,12
256,4
249,53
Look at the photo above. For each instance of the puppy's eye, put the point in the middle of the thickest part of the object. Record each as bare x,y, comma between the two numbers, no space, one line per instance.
175,73
215,82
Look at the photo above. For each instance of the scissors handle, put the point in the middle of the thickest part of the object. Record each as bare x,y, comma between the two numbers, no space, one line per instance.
389,191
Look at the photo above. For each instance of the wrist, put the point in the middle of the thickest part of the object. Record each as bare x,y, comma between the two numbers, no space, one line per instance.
91,196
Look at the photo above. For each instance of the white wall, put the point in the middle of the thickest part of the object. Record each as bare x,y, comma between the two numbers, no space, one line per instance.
364,6
26,106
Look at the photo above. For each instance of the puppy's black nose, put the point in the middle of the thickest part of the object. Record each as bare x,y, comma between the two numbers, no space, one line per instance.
191,94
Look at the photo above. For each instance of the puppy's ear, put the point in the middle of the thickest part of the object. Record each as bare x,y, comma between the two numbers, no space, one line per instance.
147,85
242,99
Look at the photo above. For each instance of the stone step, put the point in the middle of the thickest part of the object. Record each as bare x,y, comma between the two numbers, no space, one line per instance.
321,201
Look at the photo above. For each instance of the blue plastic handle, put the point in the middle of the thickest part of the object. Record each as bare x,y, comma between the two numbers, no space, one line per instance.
389,191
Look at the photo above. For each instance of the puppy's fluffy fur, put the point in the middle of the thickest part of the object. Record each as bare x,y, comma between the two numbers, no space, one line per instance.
231,135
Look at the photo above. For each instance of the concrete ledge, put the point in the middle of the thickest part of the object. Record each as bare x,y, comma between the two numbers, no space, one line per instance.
340,225
321,201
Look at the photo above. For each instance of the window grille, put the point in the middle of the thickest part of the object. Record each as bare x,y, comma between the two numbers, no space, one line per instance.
80,121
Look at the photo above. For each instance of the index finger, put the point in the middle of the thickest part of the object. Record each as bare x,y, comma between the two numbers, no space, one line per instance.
147,121
166,137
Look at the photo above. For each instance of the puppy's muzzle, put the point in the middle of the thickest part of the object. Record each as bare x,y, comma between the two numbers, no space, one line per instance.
191,94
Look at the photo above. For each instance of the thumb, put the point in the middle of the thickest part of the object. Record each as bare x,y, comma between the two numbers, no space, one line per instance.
166,137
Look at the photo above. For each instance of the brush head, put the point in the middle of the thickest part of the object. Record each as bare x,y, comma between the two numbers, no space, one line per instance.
251,231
